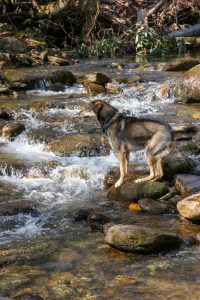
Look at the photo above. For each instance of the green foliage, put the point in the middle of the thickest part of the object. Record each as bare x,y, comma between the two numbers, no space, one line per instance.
83,51
148,42
107,47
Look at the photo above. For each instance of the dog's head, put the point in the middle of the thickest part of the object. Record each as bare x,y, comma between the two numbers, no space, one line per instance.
103,110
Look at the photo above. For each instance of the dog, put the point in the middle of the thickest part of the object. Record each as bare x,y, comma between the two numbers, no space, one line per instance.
129,133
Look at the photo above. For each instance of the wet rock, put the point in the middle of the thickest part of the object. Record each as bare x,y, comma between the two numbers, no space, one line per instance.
93,88
79,144
98,218
113,88
58,61
14,59
5,115
56,87
135,191
11,130
190,207
189,90
113,175
174,166
43,135
131,238
97,78
187,184
154,207
16,207
82,214
63,76
181,64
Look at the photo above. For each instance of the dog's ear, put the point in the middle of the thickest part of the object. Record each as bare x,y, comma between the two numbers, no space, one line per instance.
96,105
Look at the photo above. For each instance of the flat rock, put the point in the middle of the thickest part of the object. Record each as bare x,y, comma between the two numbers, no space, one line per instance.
181,64
154,207
190,207
187,184
131,238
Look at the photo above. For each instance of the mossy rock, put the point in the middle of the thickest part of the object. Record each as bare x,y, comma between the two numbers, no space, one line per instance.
135,191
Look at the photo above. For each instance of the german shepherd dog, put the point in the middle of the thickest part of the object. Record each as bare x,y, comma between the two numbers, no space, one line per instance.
128,133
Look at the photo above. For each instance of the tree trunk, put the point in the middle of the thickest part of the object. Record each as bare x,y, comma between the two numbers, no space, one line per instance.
193,31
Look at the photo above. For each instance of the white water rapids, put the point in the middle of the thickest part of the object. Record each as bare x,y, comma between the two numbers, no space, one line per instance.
76,178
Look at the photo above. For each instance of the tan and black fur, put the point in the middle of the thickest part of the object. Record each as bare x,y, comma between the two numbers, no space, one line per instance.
128,133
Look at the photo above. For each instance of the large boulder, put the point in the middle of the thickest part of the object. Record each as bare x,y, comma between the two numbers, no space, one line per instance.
190,207
135,191
79,144
30,78
189,90
187,184
181,64
131,238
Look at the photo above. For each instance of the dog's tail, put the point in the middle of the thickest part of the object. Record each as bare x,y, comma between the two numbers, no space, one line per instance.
184,132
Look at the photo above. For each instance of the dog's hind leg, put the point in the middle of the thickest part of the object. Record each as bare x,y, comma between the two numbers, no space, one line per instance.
126,158
122,165
153,171
159,169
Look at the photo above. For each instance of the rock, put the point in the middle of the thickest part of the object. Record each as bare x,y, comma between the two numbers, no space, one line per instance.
190,207
174,166
181,64
10,44
11,208
82,214
79,144
134,191
113,88
5,115
187,184
63,76
56,87
28,296
30,78
93,88
114,173
189,90
58,61
137,239
97,78
11,130
154,207
98,218
14,59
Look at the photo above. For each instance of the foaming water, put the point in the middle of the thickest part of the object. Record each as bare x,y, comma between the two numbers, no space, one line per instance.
43,90
76,178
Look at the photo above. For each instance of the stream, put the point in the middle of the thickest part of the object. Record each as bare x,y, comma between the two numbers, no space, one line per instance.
46,253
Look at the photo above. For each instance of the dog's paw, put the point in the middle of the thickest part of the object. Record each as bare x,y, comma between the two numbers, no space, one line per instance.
118,183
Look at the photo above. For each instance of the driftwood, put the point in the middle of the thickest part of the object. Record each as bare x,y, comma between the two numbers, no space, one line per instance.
193,31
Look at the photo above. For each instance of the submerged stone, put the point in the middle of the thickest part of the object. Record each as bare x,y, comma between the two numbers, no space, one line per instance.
154,207
131,238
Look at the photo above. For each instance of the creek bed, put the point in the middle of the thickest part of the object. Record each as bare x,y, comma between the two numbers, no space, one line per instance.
48,255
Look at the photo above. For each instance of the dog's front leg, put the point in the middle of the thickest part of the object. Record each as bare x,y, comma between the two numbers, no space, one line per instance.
122,166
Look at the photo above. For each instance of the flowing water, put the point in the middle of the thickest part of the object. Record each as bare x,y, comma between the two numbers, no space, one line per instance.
46,254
